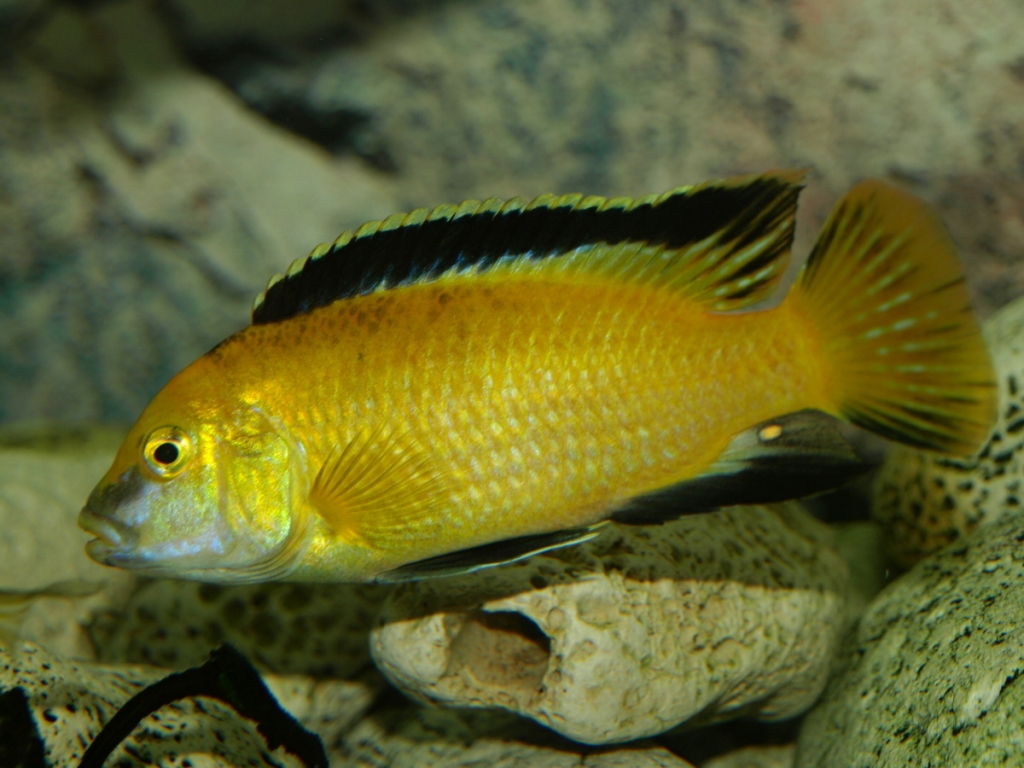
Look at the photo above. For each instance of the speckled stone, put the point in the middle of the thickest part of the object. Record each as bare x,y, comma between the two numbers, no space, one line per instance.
929,676
311,629
70,701
708,617
926,501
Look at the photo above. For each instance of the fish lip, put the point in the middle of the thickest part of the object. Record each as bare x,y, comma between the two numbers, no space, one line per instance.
110,535
99,551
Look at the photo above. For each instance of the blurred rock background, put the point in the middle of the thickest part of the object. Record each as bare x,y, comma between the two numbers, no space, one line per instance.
161,159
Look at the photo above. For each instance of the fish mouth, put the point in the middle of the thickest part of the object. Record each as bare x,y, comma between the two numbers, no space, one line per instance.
110,535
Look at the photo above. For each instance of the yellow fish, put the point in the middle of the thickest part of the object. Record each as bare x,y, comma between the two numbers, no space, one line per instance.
459,387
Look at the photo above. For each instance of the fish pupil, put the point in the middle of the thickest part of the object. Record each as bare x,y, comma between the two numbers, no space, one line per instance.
166,453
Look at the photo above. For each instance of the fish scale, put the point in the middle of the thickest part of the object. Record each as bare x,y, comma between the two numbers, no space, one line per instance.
609,416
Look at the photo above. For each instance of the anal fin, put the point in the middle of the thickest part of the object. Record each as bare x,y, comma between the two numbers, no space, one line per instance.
487,555
796,455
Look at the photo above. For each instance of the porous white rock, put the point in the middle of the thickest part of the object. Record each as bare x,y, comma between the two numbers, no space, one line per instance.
930,675
925,500
711,616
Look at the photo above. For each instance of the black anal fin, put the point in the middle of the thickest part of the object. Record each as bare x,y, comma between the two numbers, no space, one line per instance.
796,455
487,555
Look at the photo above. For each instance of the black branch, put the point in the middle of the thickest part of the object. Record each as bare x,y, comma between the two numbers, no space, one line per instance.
229,677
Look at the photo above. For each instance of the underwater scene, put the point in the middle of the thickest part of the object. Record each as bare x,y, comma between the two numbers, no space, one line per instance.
511,383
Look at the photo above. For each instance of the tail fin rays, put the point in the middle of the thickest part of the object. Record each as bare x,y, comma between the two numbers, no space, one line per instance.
903,351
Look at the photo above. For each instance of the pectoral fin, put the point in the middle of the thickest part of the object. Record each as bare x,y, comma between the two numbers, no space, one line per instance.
376,486
486,555
790,457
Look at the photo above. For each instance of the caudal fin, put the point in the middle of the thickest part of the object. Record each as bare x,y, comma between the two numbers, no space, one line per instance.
902,350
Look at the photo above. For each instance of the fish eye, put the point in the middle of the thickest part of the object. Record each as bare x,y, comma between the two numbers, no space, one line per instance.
166,451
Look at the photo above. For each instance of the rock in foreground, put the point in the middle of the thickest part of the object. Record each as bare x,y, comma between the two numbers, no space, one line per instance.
712,616
66,703
929,676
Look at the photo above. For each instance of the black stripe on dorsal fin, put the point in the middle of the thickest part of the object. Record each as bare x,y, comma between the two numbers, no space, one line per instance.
736,214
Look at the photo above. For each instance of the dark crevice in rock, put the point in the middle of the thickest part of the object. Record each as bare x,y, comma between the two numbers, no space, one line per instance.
277,87
703,744
20,744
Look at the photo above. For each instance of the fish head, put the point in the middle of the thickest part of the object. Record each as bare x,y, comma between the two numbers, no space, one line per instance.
198,491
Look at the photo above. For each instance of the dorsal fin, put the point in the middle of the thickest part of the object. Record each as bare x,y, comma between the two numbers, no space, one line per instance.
729,239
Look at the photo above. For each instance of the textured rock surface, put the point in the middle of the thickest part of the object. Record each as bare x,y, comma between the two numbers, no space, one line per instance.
926,501
45,476
319,630
930,675
329,708
756,757
70,701
136,229
433,738
512,97
603,92
627,636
